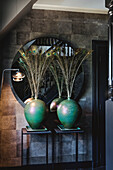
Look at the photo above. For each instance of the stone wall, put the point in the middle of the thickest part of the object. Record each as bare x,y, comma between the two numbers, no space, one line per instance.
79,29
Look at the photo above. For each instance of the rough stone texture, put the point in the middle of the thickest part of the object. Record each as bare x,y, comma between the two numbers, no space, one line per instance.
77,28
8,122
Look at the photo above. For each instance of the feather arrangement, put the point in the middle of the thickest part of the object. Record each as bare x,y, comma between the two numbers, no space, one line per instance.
57,74
34,63
70,65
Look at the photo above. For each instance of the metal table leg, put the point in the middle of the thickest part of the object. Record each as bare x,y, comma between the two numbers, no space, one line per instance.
76,147
22,147
52,151
47,149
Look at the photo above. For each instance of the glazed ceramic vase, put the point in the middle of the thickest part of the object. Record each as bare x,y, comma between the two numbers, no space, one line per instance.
34,113
54,104
68,112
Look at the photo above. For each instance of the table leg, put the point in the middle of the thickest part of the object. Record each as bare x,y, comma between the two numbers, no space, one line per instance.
60,137
76,147
22,147
46,148
52,151
28,144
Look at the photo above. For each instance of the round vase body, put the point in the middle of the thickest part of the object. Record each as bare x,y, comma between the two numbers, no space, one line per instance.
34,113
54,104
68,112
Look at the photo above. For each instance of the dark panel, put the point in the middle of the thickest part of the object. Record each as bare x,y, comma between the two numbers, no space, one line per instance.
109,135
100,76
107,3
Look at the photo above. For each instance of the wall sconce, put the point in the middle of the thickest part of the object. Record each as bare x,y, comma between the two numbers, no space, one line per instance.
16,77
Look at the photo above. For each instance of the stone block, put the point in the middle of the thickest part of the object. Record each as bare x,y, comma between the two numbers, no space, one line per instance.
8,151
64,27
63,148
8,107
0,121
8,137
64,158
81,41
0,152
76,16
85,28
103,37
38,25
34,35
81,147
65,37
24,25
102,29
20,119
40,138
11,162
8,122
66,148
81,157
37,149
7,94
23,37
96,17
67,137
34,160
44,26
37,14
0,137
19,151
18,135
63,16
50,14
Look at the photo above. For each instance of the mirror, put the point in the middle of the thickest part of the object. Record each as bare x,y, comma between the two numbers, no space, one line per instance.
48,90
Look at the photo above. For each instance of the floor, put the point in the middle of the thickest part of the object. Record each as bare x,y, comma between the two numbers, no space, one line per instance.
49,168
101,168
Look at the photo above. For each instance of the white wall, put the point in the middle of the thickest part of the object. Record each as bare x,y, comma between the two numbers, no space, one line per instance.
92,6
10,8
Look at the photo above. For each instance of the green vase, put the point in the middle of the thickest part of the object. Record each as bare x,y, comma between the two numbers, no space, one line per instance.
54,104
68,111
34,113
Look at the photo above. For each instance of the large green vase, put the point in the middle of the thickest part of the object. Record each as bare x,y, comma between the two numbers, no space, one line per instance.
54,104
68,112
34,113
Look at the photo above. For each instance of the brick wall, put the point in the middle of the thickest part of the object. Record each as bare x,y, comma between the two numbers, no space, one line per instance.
77,28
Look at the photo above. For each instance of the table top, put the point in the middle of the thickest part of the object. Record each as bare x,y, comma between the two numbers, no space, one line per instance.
25,132
76,130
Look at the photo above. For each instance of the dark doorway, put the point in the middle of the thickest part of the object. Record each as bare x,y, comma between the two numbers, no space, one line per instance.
100,81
